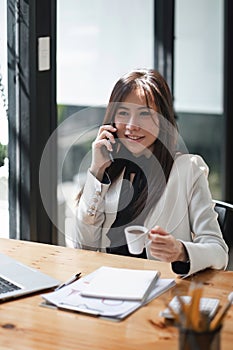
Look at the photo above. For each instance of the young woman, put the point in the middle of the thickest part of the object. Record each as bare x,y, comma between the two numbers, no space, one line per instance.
137,176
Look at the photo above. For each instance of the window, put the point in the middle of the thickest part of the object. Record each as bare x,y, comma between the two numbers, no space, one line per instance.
198,81
97,42
4,213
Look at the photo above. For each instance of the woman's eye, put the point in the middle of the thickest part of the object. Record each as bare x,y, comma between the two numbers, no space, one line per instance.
123,113
145,114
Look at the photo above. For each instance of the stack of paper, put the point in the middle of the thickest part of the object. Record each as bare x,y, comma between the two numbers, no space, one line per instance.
110,292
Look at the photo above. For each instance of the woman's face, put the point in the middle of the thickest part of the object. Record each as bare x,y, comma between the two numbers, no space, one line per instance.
137,125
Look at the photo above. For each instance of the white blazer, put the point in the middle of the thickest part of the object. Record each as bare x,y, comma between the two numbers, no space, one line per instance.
185,210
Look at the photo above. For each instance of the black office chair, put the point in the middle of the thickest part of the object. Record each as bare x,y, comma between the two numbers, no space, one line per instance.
225,219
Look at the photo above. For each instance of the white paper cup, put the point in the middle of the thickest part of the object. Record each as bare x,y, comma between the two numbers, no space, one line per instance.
136,238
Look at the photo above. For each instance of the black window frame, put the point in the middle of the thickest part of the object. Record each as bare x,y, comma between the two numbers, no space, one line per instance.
32,117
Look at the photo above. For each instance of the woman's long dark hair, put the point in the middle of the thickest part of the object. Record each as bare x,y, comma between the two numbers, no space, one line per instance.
156,91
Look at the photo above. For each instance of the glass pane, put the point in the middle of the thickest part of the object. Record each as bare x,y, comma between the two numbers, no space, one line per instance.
4,214
198,81
97,42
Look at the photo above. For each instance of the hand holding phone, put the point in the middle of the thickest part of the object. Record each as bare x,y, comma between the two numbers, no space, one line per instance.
101,149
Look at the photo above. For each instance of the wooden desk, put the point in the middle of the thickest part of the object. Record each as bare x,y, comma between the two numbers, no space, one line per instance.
25,325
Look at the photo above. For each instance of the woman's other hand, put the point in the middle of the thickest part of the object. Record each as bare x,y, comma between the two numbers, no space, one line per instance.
100,148
165,247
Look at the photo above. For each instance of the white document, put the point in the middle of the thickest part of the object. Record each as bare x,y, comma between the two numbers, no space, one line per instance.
70,298
117,283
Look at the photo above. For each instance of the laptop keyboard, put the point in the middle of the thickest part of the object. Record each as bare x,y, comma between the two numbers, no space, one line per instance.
6,286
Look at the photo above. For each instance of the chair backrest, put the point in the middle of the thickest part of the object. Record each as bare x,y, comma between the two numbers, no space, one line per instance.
225,219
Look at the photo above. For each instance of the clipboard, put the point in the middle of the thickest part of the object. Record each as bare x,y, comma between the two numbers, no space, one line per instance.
69,298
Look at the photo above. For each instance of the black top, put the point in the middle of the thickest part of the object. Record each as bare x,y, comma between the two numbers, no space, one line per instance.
128,203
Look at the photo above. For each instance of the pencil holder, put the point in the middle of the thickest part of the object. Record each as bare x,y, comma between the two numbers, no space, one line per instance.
193,340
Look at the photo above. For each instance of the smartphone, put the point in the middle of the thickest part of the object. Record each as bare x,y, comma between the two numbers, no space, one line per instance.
113,145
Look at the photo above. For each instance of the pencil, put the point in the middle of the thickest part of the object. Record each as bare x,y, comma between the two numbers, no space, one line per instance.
195,307
215,323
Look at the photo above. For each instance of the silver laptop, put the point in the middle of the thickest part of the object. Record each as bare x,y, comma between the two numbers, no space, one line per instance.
17,279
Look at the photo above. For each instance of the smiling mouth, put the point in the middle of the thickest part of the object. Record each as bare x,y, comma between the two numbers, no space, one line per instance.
134,138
